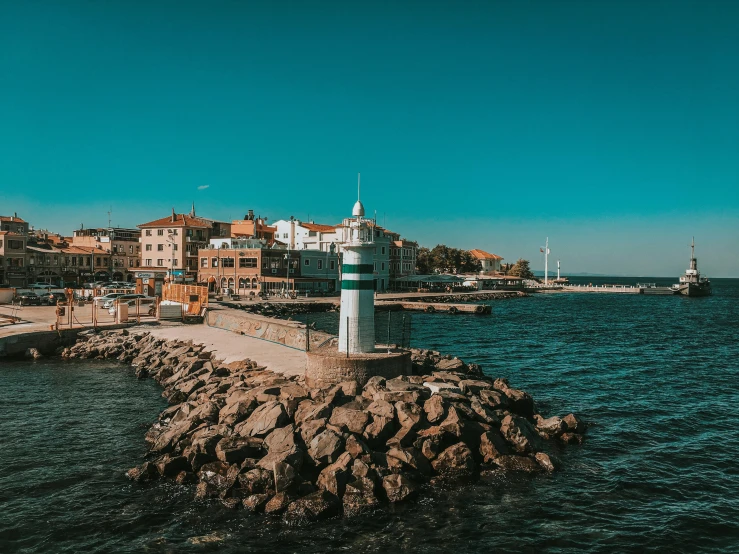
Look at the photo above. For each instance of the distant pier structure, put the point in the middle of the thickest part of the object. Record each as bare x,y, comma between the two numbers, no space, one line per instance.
354,356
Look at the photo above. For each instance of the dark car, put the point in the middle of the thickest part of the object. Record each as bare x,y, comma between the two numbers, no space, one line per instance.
55,297
29,299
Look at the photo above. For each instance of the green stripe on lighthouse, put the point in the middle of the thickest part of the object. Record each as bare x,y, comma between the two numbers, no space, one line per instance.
358,285
357,268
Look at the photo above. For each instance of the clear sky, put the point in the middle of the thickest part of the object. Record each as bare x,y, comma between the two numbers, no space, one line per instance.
611,127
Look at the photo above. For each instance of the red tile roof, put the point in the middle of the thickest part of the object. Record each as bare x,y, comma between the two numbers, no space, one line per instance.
180,220
482,255
10,233
13,218
319,227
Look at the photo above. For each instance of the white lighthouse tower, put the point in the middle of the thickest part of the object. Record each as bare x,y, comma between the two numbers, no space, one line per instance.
357,316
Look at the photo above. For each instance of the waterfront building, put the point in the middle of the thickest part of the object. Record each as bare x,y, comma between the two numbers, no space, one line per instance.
171,244
253,227
301,235
44,264
13,259
121,247
490,262
403,255
319,270
231,263
77,264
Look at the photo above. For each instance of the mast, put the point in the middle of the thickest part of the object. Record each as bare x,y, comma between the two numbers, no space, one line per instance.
546,262
557,270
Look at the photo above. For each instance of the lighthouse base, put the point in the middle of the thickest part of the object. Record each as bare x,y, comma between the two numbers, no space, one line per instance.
327,366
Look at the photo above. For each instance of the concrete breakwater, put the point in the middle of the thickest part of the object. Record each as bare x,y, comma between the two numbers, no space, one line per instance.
258,440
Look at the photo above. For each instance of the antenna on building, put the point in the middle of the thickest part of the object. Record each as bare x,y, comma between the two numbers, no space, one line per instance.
359,177
110,211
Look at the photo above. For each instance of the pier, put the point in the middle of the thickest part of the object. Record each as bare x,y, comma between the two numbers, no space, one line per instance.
433,307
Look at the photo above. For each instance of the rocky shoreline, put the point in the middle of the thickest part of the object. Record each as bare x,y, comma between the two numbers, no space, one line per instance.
263,442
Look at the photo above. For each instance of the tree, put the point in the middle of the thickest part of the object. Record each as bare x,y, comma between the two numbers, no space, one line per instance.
423,261
521,269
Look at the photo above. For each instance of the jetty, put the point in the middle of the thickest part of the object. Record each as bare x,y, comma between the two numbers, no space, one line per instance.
433,307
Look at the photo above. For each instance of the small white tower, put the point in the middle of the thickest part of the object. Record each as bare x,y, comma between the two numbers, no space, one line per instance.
357,316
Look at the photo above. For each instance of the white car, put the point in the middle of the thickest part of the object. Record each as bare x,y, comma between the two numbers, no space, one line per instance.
129,299
108,297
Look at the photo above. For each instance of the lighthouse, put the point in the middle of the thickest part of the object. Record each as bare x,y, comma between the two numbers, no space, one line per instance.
357,315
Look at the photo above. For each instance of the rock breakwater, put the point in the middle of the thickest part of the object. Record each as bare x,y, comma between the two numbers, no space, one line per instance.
263,442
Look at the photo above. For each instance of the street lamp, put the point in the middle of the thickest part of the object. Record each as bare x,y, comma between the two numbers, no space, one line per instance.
171,241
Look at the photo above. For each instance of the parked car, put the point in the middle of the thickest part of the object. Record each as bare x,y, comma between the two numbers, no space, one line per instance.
130,299
55,297
29,299
107,297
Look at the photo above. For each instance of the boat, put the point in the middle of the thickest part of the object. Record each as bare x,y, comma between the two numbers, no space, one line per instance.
692,284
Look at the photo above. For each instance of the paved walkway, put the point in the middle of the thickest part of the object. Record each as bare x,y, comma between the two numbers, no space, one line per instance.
230,347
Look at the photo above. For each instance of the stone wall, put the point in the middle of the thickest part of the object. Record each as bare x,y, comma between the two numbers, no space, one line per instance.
288,333
327,366
46,342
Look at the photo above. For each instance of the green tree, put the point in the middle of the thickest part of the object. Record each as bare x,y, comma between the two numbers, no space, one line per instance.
423,261
521,269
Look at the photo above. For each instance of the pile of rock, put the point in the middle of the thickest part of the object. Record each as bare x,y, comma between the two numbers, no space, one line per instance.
258,440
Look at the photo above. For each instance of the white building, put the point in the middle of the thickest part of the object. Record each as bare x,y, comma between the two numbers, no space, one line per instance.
490,262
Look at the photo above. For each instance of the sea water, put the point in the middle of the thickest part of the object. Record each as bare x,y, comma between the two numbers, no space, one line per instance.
656,377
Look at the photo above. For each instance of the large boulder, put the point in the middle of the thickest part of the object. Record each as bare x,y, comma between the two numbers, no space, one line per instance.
257,481
334,477
520,434
359,497
492,446
325,447
456,462
255,502
551,427
234,450
435,409
265,419
410,415
408,458
382,409
285,476
574,424
313,507
353,421
517,463
398,487
379,431
170,466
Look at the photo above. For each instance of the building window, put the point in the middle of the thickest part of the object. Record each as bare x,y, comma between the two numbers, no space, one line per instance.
174,232
307,261
383,249
332,264
203,262
160,232
214,262
320,264
148,232
174,247
160,247
311,233
148,248
175,262
382,266
265,264
248,262
228,262
160,262
374,266
130,249
148,262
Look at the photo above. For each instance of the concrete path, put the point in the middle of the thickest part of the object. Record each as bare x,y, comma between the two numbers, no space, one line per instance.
230,347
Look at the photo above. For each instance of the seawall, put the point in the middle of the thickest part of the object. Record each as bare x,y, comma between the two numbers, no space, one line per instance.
287,333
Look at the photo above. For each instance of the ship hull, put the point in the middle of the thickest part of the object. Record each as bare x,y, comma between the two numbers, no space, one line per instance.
693,289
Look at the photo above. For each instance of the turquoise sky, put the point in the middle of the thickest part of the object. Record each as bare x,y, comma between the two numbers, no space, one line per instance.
611,127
